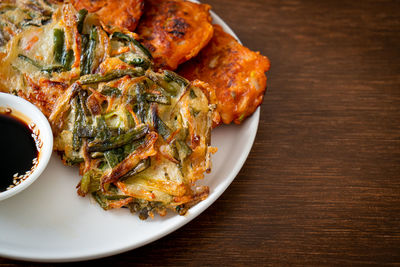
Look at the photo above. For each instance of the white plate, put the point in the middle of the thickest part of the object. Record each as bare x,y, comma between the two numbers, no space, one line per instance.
48,222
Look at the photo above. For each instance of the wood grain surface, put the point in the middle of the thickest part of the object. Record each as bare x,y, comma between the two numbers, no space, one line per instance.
321,185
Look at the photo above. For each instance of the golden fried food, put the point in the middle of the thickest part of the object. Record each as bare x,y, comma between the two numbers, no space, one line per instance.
16,16
141,142
174,30
141,138
42,61
29,68
236,73
123,14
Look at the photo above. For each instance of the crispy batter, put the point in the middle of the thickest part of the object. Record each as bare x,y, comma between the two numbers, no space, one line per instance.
174,30
143,152
236,73
16,16
123,14
43,94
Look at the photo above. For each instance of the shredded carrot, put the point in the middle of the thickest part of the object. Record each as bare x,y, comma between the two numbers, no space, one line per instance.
120,51
31,42
39,57
9,30
120,203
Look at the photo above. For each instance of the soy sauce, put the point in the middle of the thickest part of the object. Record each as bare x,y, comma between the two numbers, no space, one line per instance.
17,149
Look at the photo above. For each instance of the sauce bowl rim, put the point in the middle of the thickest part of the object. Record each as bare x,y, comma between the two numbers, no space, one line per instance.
45,135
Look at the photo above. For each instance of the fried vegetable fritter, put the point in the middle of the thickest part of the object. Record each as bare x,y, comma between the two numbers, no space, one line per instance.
141,141
16,16
174,30
236,73
42,61
141,138
123,14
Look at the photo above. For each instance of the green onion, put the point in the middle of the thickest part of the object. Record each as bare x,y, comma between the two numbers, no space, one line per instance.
142,165
161,127
141,104
121,36
161,99
171,76
109,76
80,18
68,59
58,44
78,123
119,140
183,149
135,61
90,52
112,158
49,69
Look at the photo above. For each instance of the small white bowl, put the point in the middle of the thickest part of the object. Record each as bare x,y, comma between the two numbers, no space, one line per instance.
39,125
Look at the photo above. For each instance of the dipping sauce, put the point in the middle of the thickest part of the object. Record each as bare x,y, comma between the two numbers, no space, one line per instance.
18,151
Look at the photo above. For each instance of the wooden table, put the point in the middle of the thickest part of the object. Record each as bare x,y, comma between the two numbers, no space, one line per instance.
322,183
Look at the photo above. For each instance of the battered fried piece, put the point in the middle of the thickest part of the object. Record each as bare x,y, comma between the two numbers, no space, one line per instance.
16,16
43,94
174,30
141,138
141,142
123,14
43,61
236,73
30,71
